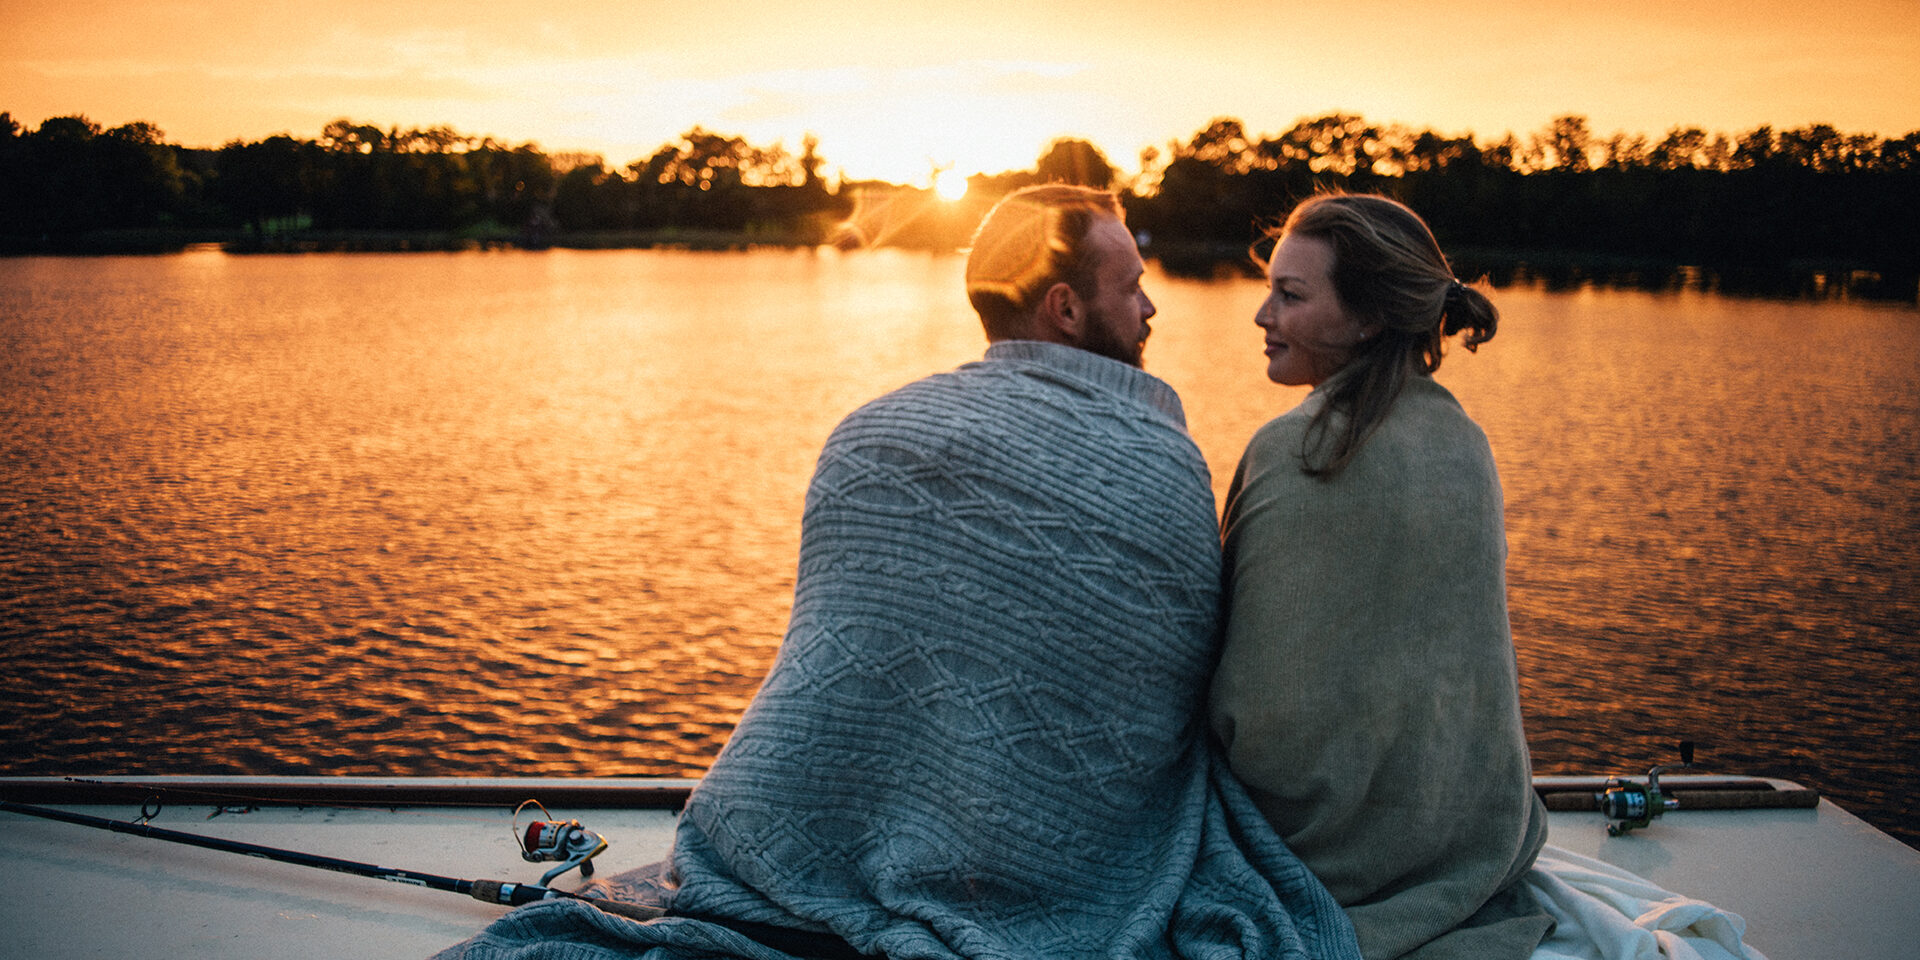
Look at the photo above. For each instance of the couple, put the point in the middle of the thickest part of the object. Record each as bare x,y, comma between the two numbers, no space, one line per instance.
1004,721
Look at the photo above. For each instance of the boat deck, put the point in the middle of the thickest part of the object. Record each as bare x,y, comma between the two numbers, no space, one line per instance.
1811,883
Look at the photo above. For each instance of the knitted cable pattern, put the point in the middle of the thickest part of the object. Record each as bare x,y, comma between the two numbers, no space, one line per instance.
982,735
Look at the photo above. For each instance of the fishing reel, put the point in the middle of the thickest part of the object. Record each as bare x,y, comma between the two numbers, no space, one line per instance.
550,839
1631,806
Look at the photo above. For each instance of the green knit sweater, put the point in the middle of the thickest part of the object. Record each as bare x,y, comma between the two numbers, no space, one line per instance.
1367,692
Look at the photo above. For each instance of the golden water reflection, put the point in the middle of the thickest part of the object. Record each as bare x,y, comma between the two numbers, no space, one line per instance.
502,513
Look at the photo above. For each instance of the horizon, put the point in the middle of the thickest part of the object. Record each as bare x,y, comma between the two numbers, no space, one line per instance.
900,93
938,181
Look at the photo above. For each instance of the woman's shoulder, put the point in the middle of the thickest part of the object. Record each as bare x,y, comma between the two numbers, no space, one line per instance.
1422,404
1428,440
1288,427
1426,422
1425,408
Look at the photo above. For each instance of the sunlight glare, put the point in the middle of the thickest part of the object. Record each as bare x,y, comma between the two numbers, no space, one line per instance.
951,186
920,126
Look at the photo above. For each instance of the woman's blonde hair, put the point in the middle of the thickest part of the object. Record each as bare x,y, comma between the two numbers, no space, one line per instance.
1390,275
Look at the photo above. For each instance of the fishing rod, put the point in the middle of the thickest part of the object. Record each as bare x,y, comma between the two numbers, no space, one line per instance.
485,891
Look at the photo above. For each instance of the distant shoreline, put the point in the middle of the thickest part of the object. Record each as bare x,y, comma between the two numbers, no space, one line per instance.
1799,279
163,241
1502,267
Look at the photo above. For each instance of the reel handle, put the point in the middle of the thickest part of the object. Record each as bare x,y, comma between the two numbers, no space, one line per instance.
563,840
1631,806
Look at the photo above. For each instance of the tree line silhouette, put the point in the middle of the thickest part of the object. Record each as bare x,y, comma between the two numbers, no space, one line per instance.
1811,201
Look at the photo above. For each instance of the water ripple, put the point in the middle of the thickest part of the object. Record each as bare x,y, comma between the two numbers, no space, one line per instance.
536,514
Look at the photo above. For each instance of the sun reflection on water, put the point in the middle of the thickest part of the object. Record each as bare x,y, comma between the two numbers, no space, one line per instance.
514,513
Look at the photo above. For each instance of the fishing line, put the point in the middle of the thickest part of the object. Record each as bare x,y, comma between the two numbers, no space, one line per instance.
223,801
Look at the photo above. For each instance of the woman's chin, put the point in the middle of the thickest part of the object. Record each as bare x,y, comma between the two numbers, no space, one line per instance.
1281,373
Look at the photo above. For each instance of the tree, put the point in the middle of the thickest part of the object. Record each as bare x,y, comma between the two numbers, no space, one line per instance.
345,136
1507,152
139,175
71,178
1336,143
1901,155
1077,162
1755,148
1564,144
703,159
1678,150
586,198
265,181
74,129
1222,144
140,132
810,162
1431,152
1623,152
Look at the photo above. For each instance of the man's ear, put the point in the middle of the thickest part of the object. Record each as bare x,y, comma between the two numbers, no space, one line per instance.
1060,316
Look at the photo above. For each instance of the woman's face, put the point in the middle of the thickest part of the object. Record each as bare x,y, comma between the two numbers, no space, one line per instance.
1309,334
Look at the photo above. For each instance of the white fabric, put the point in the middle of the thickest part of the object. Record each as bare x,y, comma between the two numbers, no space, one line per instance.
1605,913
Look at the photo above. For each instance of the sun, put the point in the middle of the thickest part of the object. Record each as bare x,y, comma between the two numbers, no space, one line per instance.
949,185
912,131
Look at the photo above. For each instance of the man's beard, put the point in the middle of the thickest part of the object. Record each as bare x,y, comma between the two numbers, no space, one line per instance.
1099,338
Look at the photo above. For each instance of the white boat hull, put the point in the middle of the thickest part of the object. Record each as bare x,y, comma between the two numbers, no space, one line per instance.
1811,883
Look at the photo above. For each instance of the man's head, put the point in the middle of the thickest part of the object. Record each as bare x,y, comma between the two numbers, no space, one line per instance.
1056,263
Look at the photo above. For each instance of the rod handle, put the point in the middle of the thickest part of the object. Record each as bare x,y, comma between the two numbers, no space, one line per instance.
1799,799
514,894
495,891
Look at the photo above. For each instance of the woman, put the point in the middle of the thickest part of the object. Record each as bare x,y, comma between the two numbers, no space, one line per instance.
1367,693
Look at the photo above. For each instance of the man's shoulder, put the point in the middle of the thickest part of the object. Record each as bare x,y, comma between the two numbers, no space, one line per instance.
990,386
928,415
948,390
998,409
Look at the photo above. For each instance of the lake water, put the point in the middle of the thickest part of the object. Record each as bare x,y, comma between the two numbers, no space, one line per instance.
536,513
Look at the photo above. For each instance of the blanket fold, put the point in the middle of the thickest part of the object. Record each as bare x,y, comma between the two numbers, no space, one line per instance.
1602,912
1367,692
981,737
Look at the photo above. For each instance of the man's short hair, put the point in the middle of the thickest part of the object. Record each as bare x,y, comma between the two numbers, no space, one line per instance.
1032,239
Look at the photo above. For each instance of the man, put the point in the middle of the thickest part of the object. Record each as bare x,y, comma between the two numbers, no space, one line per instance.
981,735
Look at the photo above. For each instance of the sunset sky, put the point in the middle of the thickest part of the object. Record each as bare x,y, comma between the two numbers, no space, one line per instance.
897,89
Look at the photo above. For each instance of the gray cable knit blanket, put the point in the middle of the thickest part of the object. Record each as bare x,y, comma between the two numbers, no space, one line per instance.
982,735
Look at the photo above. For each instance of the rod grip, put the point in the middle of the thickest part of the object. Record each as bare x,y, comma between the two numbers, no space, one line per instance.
495,891
1801,799
489,891
1769,799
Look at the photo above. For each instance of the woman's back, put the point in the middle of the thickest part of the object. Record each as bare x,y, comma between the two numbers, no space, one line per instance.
1367,692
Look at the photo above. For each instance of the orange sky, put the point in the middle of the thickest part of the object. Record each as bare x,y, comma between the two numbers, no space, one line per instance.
896,89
